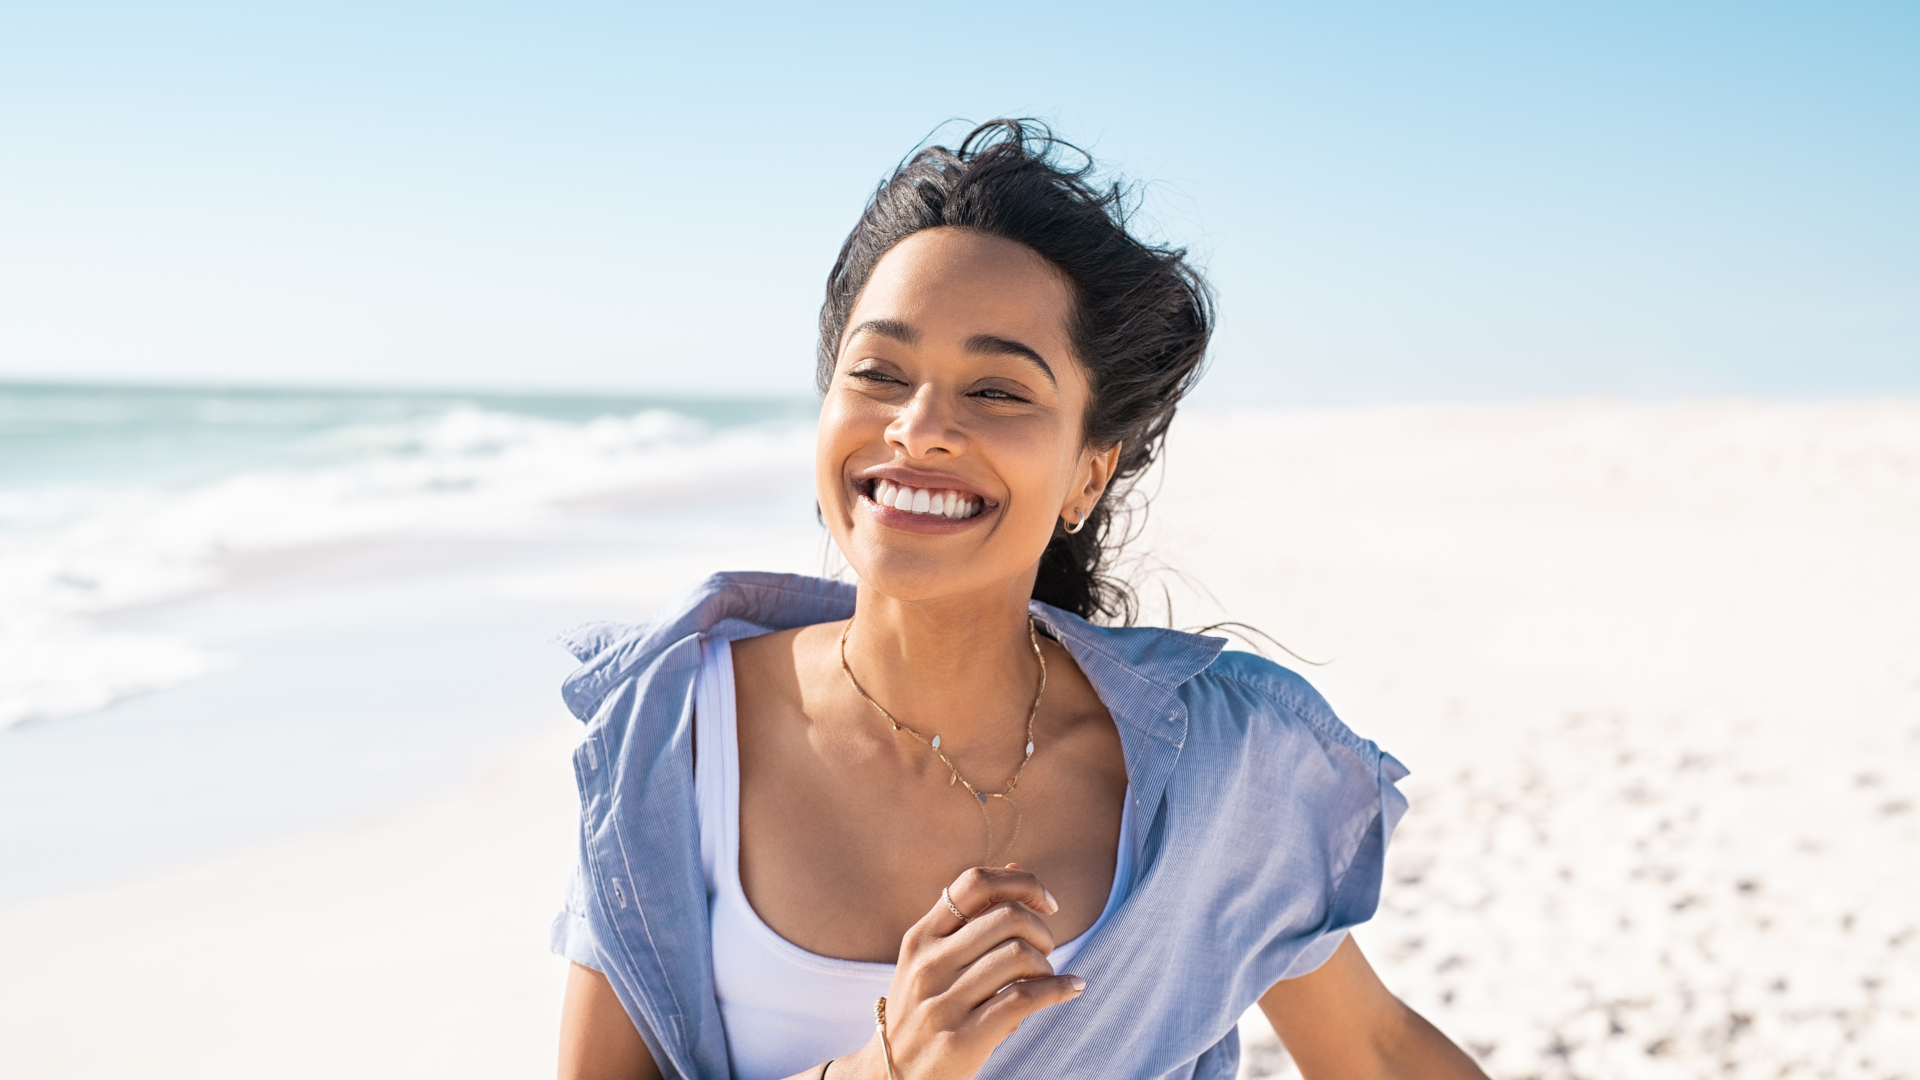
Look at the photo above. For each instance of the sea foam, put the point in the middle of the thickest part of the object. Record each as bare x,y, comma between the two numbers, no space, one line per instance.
72,551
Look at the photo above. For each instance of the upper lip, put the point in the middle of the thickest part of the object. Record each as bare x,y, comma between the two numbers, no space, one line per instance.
914,478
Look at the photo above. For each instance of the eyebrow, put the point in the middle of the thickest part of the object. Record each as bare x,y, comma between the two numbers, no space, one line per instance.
888,328
989,345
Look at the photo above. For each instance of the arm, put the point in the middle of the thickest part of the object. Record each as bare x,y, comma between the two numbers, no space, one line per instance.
1341,1022
597,1041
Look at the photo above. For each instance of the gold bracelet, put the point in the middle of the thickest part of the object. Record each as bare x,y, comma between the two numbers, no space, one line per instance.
886,1046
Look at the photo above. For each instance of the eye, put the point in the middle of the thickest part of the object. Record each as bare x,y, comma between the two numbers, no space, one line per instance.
872,374
995,393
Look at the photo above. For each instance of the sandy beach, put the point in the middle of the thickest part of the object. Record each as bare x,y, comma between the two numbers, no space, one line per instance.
1655,668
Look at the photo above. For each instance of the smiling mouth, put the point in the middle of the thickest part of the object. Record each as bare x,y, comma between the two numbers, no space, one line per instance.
954,505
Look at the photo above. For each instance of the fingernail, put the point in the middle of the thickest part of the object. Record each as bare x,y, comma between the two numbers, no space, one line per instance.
1079,984
1050,899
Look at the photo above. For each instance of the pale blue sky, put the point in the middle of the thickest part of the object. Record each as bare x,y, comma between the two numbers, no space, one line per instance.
1396,201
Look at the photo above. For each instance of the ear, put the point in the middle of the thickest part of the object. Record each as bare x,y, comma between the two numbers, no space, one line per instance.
1099,465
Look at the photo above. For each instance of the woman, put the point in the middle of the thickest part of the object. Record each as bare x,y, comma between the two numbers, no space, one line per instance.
940,825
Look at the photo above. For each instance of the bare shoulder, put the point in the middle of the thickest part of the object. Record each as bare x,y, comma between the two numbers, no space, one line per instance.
765,651
764,670
778,673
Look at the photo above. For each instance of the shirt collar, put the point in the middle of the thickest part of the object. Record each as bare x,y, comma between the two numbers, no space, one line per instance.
1137,671
1118,658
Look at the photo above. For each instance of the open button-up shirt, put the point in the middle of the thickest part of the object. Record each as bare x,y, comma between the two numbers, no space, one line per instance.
1262,825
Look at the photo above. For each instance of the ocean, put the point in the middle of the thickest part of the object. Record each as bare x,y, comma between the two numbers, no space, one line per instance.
231,614
112,497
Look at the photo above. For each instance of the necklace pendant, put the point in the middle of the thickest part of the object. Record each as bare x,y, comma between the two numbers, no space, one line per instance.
936,742
981,796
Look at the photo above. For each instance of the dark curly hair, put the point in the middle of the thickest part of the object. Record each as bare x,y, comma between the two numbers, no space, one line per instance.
1142,314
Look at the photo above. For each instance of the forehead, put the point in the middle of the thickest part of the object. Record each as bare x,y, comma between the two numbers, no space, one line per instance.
950,282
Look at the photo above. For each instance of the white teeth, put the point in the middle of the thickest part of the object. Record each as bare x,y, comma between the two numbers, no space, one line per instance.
950,504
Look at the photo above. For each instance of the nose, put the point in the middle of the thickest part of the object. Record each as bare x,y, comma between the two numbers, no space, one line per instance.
925,426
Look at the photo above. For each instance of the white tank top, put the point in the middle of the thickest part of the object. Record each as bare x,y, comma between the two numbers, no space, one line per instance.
785,1008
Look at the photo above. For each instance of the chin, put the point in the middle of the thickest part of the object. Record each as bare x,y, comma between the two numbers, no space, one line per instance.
917,576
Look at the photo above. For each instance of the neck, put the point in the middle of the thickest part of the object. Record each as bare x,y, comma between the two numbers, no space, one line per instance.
962,668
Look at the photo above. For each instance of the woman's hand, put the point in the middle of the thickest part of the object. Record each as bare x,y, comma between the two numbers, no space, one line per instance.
962,987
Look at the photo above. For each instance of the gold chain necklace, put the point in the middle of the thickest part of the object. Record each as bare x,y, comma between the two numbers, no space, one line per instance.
954,777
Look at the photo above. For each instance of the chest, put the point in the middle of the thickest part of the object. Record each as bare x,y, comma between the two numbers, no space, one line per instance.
844,870
845,843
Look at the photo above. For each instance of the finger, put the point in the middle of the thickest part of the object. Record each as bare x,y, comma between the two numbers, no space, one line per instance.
1001,922
1001,1014
1007,898
983,886
956,916
934,963
1008,962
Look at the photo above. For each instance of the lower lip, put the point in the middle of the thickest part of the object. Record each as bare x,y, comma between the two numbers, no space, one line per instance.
927,524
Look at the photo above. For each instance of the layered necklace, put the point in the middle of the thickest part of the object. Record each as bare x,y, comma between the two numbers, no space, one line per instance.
953,771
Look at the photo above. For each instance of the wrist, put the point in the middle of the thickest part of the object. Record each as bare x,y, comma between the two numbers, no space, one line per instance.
867,1063
872,1061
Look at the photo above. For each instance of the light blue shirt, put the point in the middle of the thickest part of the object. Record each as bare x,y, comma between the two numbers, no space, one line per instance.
1263,823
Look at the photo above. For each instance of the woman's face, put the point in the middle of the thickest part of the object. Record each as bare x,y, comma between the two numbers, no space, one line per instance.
950,438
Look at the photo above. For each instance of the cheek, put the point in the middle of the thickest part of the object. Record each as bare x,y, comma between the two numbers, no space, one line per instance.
1040,471
843,430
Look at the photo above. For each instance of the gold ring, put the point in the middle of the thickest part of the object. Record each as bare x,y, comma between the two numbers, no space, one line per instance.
948,897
